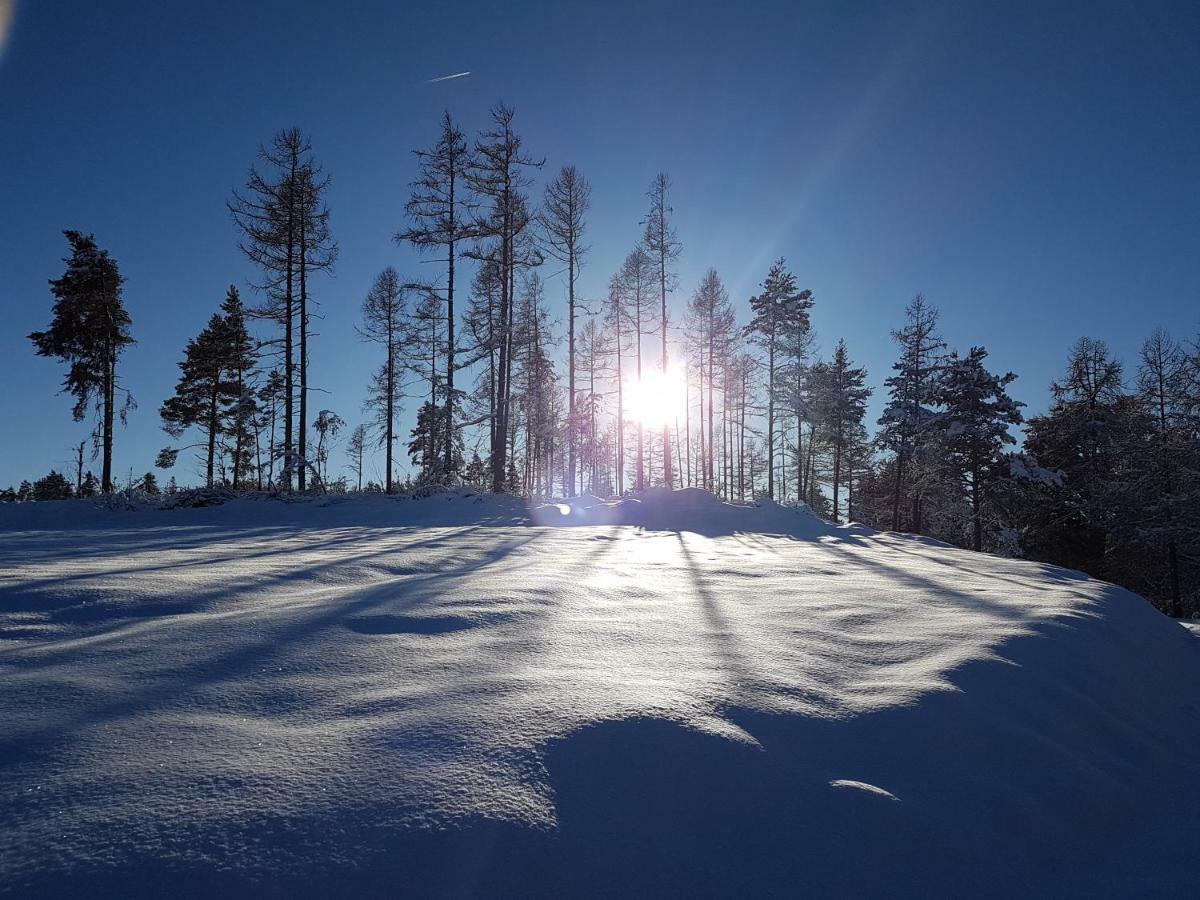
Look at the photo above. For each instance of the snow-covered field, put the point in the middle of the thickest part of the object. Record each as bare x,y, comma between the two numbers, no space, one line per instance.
453,696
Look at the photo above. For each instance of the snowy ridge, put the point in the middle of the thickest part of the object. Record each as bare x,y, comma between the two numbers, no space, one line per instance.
445,697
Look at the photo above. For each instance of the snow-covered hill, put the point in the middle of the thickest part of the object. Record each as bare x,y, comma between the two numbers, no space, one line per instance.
452,696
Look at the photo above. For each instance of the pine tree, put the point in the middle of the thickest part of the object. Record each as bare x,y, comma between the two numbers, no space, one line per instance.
1170,482
615,325
241,414
54,486
356,448
317,253
327,425
213,391
663,247
385,312
89,332
149,485
423,341
711,326
594,350
427,439
973,427
440,219
284,225
634,292
476,474
270,398
1086,438
779,318
536,386
564,208
90,487
906,420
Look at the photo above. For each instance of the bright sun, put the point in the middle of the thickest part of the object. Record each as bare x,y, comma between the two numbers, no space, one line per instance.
657,399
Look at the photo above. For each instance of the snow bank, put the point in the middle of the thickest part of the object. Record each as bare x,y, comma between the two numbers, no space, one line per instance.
690,509
444,697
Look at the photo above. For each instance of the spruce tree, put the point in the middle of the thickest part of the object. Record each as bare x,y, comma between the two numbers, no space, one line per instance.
89,332
240,355
1085,437
973,427
213,391
53,486
840,397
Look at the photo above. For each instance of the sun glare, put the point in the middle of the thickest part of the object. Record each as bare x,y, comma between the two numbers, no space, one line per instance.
7,9
657,399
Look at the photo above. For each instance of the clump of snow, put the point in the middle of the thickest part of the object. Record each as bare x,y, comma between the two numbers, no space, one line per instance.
444,696
1024,467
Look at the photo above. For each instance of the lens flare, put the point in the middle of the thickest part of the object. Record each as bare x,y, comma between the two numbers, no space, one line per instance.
657,399
7,9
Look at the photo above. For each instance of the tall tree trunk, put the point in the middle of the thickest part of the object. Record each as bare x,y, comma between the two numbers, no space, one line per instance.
771,415
110,397
712,447
289,364
212,428
687,420
837,469
302,476
899,486
620,414
572,425
668,476
389,427
449,464
976,522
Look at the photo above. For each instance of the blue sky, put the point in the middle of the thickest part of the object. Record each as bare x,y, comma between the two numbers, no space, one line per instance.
1034,169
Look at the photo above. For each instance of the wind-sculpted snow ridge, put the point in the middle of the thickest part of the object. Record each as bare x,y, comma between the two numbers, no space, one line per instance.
445,697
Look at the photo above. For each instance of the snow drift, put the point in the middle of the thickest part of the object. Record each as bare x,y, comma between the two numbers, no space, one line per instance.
451,697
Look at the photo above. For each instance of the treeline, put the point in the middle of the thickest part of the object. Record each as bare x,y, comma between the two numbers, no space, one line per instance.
516,387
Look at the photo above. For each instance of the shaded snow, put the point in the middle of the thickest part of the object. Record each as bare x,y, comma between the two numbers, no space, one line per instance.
449,696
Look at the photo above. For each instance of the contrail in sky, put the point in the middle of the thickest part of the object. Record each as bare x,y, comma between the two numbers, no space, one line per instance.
448,77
